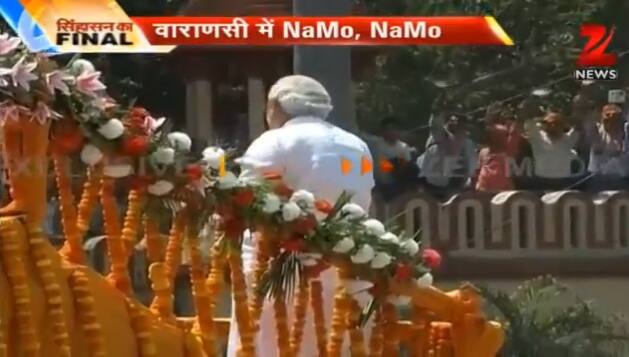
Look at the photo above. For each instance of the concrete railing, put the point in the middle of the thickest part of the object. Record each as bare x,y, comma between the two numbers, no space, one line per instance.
519,227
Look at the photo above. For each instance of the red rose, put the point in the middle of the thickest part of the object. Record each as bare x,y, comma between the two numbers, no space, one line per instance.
194,172
243,198
432,258
294,245
68,142
135,145
403,272
323,206
305,224
282,190
138,112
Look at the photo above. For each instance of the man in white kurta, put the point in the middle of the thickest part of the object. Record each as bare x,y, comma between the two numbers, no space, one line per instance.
307,152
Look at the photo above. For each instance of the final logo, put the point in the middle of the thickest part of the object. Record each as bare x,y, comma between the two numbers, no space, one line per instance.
74,33
593,62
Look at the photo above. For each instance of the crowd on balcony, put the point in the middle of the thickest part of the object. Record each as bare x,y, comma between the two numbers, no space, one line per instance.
513,147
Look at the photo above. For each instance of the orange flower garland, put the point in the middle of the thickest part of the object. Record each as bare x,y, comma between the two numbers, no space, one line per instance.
192,346
391,340
262,264
52,289
175,243
377,338
132,219
3,344
142,326
162,304
73,246
89,198
339,322
281,325
86,313
14,266
152,239
119,275
357,340
214,282
420,323
301,305
241,306
316,301
200,292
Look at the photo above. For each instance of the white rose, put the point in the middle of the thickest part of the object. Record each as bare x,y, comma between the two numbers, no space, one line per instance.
390,238
304,199
272,203
374,227
290,211
160,188
352,211
425,281
81,66
227,181
410,247
180,141
399,299
212,157
364,254
113,129
381,260
344,245
164,156
91,155
118,170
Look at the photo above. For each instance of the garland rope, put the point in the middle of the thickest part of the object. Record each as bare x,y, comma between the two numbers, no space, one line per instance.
119,275
12,251
357,340
85,307
132,219
261,266
377,335
241,306
339,322
316,301
162,304
301,307
152,239
281,325
73,246
143,328
391,340
89,198
175,245
214,283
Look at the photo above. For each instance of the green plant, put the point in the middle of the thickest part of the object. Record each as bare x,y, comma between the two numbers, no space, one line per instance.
546,319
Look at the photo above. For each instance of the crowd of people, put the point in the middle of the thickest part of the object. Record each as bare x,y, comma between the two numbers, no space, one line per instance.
518,147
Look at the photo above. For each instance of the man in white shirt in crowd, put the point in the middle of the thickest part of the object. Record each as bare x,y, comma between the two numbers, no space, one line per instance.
307,152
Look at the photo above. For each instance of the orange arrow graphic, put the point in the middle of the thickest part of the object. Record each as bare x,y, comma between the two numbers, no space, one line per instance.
346,166
366,166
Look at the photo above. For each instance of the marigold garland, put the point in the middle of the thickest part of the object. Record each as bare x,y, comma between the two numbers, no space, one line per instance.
241,304
73,246
316,302
52,289
142,327
132,219
420,324
3,344
214,282
89,198
339,322
439,340
200,292
356,337
119,275
261,266
300,308
376,342
175,244
192,346
281,325
163,300
152,239
85,308
15,268
391,339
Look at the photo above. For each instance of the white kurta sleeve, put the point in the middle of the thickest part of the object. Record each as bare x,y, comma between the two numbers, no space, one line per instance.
264,157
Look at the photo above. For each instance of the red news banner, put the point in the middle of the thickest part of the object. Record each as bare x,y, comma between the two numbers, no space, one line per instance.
283,31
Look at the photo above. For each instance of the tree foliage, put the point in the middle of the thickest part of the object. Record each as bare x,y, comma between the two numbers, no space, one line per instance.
407,80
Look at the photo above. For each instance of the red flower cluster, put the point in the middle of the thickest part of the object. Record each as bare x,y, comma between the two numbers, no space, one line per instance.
135,146
432,259
67,138
243,198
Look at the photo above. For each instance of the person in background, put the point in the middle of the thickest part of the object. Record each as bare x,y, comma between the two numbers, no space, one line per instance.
450,159
393,157
493,161
609,155
553,144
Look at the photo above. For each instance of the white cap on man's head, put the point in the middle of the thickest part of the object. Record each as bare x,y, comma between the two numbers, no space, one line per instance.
616,96
301,96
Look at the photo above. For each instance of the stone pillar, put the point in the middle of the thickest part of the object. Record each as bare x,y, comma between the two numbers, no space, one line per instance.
256,102
331,65
199,109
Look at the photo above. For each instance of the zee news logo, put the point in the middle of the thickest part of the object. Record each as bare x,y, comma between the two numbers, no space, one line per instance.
594,63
